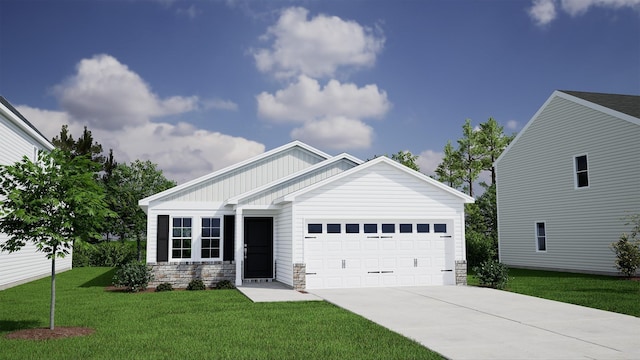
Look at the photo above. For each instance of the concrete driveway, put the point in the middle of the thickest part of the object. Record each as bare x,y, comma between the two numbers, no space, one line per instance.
464,322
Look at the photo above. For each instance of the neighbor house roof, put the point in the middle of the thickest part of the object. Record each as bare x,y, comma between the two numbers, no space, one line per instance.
626,104
381,159
17,118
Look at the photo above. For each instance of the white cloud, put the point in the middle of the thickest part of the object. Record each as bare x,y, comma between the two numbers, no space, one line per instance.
512,125
220,104
316,47
306,100
105,94
429,160
335,133
119,109
544,11
191,12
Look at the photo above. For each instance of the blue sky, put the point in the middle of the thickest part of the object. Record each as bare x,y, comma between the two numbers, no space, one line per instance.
198,85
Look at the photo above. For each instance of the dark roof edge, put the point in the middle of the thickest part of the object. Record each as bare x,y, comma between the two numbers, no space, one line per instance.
626,104
11,108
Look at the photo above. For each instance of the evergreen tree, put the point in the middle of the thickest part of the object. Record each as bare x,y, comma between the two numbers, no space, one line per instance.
470,156
449,171
492,141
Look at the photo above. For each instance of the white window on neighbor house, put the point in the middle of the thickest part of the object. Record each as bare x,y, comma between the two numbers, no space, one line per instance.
181,238
581,169
541,236
210,247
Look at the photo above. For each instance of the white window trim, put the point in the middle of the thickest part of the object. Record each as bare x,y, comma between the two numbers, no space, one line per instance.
575,173
546,236
196,238
171,258
220,238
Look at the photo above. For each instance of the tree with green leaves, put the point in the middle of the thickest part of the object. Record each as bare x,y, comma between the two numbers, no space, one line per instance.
449,171
407,159
53,203
83,146
470,153
492,142
130,183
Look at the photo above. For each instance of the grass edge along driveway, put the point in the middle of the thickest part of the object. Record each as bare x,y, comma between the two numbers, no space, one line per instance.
188,324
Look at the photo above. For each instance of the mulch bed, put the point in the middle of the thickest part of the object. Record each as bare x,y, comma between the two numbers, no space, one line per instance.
47,334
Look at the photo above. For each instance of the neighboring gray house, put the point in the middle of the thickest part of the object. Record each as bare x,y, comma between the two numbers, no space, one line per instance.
567,180
18,138
309,220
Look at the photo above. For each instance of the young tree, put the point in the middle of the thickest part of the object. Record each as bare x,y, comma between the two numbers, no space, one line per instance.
83,146
131,183
470,155
492,142
449,171
407,159
51,203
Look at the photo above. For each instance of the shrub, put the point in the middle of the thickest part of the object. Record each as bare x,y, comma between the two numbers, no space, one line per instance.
164,287
480,248
493,274
196,284
225,284
627,255
134,276
106,253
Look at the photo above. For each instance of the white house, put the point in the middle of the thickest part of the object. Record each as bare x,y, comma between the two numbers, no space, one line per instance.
20,138
309,220
566,182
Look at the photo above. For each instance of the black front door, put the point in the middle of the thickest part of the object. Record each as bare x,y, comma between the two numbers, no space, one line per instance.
258,247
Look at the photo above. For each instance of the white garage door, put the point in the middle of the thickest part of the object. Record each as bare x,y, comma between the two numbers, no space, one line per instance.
346,254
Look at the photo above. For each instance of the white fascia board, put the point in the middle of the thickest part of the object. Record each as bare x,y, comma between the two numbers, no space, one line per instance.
236,199
577,100
291,197
6,112
145,202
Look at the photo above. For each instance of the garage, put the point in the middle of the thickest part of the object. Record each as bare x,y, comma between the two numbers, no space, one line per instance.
377,253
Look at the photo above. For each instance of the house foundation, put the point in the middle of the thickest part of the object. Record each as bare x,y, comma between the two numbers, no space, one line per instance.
180,274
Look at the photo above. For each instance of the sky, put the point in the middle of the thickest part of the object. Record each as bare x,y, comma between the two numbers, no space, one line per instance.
195,86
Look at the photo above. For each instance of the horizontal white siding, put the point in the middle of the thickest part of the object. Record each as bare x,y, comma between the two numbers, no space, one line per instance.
380,192
536,184
26,264
249,177
266,197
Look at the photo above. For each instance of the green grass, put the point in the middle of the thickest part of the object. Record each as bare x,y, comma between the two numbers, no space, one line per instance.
595,291
188,325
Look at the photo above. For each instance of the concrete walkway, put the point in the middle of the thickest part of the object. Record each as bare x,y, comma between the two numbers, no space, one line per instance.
274,292
463,322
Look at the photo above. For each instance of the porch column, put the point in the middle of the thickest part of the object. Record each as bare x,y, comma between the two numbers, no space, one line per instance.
239,250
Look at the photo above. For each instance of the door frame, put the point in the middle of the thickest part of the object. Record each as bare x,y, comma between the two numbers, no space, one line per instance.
258,260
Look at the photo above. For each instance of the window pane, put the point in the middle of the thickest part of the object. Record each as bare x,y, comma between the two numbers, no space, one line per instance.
215,253
186,253
333,228
581,163
440,228
406,228
176,243
206,222
186,243
177,222
204,253
215,222
186,232
353,228
176,253
176,232
206,232
215,232
186,222
370,228
314,228
206,243
583,179
388,228
541,230
542,243
422,228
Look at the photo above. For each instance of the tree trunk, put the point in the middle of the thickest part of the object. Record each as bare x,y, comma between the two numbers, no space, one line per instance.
139,248
52,308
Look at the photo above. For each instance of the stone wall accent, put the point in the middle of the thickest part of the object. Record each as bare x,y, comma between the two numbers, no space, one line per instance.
461,272
299,276
180,274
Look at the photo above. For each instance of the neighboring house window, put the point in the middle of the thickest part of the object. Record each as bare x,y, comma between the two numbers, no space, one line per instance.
582,171
181,238
210,238
541,237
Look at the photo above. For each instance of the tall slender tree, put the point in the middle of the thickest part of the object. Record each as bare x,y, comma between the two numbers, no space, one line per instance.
449,171
470,156
492,142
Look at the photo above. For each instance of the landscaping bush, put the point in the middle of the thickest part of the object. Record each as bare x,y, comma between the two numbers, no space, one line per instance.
196,284
133,276
106,253
164,287
627,255
480,248
225,284
493,274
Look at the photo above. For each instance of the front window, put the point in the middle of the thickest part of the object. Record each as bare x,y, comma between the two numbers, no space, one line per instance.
210,238
582,171
541,237
181,238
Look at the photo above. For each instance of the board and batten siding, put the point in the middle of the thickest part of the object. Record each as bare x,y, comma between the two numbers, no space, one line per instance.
249,177
536,183
283,252
26,264
269,195
380,192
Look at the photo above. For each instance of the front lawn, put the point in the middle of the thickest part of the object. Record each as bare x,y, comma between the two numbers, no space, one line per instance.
188,325
595,291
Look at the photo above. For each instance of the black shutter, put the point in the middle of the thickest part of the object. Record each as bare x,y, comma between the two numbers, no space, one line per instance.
229,237
163,238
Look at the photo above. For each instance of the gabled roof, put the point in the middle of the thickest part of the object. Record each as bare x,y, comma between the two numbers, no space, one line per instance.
236,199
624,107
144,203
371,163
17,118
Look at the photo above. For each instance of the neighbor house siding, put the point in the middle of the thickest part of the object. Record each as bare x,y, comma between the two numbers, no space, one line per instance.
377,193
26,264
535,180
249,177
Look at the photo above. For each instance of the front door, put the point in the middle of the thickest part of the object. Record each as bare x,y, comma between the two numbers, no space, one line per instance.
258,247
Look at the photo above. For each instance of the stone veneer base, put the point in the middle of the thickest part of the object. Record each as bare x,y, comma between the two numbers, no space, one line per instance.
180,274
